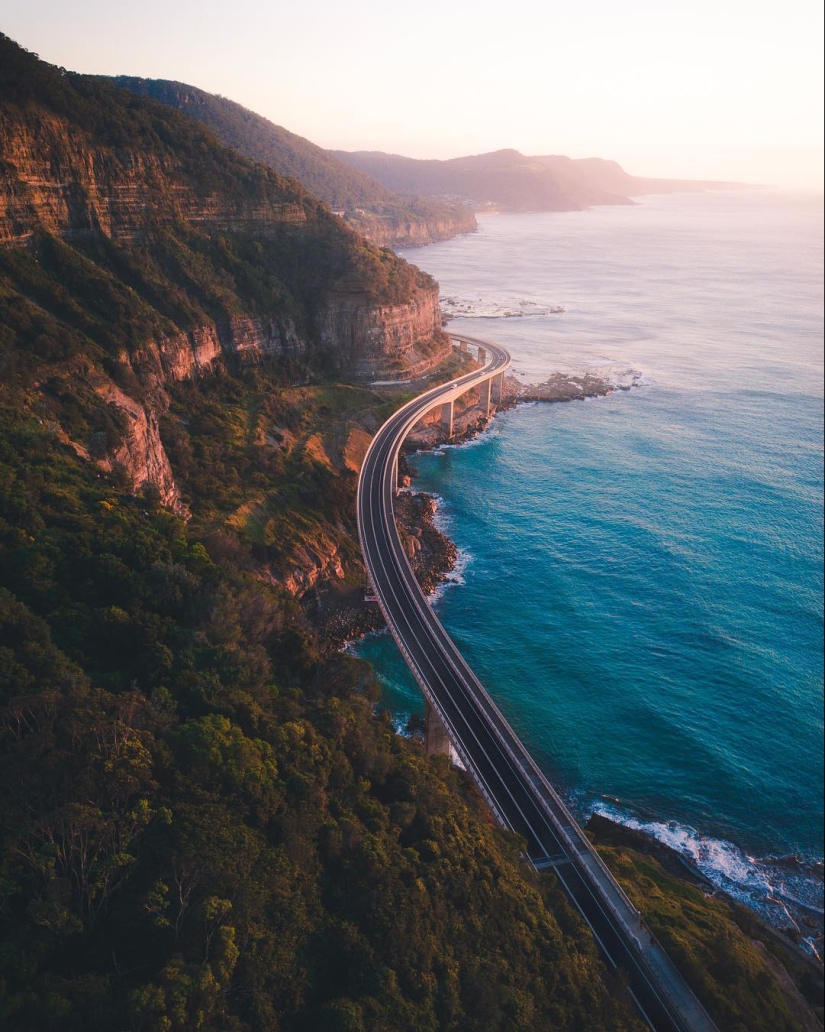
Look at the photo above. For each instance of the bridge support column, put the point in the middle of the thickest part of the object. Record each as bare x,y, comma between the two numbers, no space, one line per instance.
497,383
436,739
462,345
484,397
482,356
447,419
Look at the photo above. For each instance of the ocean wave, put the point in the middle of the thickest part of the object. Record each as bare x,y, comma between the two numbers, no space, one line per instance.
400,721
457,307
455,576
786,891
442,523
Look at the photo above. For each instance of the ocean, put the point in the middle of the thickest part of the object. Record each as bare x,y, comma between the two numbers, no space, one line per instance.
640,584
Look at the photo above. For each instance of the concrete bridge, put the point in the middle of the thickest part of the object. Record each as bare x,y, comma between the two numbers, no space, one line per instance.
491,387
462,716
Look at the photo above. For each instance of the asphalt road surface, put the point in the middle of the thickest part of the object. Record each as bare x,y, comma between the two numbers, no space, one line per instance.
516,790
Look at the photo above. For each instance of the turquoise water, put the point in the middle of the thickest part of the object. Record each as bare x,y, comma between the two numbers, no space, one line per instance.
641,579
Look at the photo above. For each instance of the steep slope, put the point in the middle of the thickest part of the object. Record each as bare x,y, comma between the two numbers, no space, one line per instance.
509,181
204,823
367,206
136,251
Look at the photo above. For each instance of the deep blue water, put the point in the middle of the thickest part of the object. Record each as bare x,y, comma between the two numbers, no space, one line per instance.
641,584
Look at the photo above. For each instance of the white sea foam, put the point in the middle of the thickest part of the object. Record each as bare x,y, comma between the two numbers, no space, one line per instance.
441,522
465,307
787,892
400,719
455,576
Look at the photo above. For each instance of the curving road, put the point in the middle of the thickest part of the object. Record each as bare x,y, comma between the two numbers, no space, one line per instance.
516,790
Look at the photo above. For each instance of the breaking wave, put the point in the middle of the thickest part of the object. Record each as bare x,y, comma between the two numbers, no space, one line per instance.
786,891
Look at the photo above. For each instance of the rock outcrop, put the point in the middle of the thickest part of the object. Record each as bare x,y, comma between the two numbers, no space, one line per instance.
141,454
385,342
138,252
53,180
190,354
395,231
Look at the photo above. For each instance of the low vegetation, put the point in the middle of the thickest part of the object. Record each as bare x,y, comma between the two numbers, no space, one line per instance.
728,957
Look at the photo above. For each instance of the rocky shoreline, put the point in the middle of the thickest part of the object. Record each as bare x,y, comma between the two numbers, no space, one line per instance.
433,556
341,613
572,386
780,948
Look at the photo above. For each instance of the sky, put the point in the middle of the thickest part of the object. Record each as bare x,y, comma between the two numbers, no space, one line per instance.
712,88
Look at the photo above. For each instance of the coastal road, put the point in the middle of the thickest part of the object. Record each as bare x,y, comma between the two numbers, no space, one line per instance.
518,793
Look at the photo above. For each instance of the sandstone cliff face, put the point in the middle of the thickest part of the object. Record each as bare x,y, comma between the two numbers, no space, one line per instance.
141,453
391,232
158,363
379,342
385,342
51,179
194,353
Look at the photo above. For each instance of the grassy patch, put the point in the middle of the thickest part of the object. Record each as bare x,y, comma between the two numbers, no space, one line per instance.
702,935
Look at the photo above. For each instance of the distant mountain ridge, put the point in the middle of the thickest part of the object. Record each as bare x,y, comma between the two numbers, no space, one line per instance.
397,201
510,181
366,205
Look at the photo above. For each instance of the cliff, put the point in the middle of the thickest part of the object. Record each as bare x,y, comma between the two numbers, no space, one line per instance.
137,252
59,181
383,217
421,223
386,342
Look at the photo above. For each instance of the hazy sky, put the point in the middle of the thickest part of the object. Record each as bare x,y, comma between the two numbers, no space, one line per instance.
720,88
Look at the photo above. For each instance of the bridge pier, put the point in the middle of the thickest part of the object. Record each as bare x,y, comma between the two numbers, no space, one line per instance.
484,397
436,740
497,384
462,345
482,356
447,419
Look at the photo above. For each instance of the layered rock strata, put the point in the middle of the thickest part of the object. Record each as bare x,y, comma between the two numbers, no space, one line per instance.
377,342
52,180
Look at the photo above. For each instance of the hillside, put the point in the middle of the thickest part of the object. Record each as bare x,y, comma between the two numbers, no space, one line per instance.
208,823
139,252
205,824
506,180
368,207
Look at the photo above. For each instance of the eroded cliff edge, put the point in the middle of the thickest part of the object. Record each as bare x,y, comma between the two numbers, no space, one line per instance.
130,236
383,217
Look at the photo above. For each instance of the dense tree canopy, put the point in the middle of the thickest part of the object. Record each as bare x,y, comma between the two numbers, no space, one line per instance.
205,824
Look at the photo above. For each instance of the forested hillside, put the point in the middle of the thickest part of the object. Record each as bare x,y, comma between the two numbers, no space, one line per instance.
204,823
206,820
367,206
